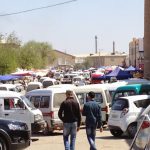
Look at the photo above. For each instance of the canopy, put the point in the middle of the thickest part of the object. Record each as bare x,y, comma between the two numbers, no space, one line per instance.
8,77
131,68
119,74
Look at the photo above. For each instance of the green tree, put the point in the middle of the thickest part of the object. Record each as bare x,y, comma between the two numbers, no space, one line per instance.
34,55
8,59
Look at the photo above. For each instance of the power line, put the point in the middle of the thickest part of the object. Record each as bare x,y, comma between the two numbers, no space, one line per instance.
44,7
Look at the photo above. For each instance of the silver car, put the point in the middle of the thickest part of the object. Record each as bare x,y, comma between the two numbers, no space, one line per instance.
142,137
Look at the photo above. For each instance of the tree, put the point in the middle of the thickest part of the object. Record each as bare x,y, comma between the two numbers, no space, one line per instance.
34,55
8,59
12,39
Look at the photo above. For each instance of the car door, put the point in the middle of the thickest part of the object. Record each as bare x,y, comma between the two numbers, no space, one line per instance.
15,109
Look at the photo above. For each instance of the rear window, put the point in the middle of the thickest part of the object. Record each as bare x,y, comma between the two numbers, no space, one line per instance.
120,104
58,99
80,96
47,83
124,93
145,92
40,101
142,103
3,88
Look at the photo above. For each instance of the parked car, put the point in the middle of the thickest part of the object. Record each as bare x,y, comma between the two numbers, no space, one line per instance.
10,87
34,85
15,106
129,90
102,97
48,100
124,114
14,135
142,137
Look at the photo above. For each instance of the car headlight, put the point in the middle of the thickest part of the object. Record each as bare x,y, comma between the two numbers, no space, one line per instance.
37,117
16,127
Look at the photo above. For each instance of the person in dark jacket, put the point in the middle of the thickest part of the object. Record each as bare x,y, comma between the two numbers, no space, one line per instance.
92,111
69,113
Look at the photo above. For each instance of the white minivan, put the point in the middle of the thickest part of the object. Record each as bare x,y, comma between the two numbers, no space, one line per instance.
102,97
124,114
15,106
48,101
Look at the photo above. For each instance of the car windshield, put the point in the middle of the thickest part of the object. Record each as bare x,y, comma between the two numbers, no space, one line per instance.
28,103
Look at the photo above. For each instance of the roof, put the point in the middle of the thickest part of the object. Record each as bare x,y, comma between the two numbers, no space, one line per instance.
64,53
9,94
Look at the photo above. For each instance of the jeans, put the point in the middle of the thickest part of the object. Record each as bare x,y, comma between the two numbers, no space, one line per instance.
91,133
69,129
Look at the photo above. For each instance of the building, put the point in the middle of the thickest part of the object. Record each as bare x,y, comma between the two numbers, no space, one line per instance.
63,59
136,53
103,59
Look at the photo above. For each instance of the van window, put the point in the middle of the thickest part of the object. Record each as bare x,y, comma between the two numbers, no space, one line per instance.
81,98
124,93
47,83
44,102
98,98
58,99
145,92
142,103
35,100
3,88
120,104
11,103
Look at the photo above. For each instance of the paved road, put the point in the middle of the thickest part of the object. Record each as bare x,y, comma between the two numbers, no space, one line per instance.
104,141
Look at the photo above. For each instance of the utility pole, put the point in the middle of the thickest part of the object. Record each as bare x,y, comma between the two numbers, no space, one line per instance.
95,44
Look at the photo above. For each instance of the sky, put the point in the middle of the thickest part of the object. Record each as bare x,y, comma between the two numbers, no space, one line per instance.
72,27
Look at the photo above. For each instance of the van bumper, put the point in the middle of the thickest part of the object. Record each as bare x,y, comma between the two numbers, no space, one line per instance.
38,126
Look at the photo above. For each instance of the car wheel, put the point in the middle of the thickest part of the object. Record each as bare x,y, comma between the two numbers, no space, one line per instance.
132,129
2,144
116,133
46,131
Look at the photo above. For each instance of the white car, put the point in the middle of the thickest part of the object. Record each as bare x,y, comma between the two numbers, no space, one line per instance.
143,136
124,114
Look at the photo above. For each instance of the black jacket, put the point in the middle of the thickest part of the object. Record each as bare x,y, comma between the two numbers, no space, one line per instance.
70,111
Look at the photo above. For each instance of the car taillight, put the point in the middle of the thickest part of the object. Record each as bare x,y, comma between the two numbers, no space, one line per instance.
50,114
145,124
105,109
124,112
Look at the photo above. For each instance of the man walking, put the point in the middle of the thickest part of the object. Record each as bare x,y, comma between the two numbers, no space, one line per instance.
69,113
92,111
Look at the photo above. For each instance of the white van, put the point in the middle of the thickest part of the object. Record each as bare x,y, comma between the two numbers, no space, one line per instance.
48,101
102,97
9,87
34,85
15,106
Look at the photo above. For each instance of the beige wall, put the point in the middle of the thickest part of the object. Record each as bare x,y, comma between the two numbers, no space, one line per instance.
63,59
112,60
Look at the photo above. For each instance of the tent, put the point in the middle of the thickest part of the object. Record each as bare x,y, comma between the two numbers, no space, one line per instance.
131,68
119,74
8,77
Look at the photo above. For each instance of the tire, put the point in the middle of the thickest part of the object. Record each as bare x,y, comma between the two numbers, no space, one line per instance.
46,131
116,133
3,144
132,129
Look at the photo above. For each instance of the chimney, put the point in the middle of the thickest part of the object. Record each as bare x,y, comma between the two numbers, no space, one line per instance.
96,44
113,48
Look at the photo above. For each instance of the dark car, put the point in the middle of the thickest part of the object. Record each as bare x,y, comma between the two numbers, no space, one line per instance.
14,135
